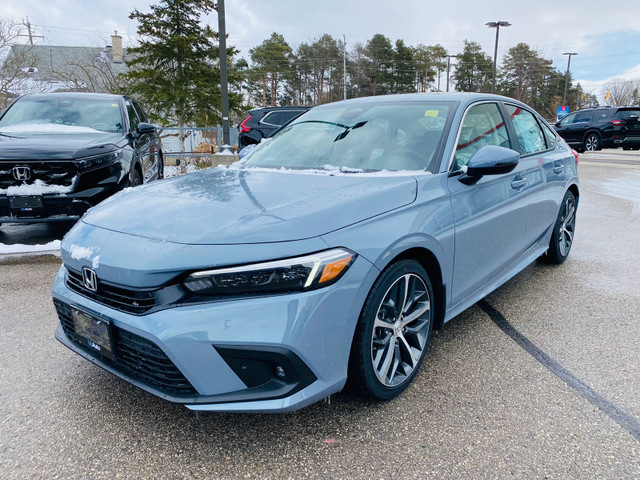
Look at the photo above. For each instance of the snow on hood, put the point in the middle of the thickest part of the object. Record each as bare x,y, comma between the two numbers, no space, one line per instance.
233,206
52,128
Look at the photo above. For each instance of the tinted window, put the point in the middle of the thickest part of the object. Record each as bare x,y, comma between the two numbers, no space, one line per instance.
626,114
369,137
583,116
133,116
289,115
141,114
273,118
568,120
601,114
482,125
530,136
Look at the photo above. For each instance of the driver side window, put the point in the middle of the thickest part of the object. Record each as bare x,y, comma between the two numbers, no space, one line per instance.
482,125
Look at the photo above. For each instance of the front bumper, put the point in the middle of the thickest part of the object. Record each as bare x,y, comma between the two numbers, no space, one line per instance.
307,334
90,189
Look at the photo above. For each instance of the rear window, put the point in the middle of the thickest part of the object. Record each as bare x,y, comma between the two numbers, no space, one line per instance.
628,114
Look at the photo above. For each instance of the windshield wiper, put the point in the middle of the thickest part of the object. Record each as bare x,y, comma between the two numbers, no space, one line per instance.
347,128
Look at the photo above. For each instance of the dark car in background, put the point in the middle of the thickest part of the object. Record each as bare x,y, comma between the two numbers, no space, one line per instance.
264,122
603,127
62,153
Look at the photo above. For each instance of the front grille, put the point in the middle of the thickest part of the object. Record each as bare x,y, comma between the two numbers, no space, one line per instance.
52,172
135,356
123,299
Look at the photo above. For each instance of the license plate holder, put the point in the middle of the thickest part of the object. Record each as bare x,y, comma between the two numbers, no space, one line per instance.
26,203
95,333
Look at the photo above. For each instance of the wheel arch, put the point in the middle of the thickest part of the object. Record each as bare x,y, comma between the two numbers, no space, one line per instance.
137,167
430,263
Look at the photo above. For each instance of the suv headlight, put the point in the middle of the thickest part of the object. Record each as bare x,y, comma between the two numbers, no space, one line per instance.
290,275
85,163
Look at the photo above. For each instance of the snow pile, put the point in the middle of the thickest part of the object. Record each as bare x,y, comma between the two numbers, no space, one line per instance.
53,246
38,187
52,128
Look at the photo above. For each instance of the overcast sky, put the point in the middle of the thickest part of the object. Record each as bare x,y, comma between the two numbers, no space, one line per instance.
606,35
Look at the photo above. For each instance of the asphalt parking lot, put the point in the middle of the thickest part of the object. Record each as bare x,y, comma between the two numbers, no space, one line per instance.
541,380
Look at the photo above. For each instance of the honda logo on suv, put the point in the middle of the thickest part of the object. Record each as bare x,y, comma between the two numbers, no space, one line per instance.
90,279
21,173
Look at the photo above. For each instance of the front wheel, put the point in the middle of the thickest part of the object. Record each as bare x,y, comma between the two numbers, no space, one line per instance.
563,231
592,142
137,179
393,331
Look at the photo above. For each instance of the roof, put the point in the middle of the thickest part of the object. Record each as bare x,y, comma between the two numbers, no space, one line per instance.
460,97
72,95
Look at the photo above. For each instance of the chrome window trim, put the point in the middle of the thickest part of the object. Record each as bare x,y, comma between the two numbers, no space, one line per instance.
464,116
263,122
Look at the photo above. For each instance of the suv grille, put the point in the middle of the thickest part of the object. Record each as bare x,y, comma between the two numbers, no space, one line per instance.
53,172
123,299
136,357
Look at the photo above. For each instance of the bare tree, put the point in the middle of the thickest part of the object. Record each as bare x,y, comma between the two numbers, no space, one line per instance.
94,74
622,92
15,64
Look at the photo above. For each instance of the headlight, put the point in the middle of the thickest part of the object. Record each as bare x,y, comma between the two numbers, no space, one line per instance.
294,274
85,163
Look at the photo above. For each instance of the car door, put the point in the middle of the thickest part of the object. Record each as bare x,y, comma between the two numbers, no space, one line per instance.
545,166
153,146
141,143
489,215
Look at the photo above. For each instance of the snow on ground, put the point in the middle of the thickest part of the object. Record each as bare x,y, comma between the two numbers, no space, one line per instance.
172,171
54,128
53,246
38,187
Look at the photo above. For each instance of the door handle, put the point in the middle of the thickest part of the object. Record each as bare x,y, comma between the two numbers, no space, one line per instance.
519,183
557,168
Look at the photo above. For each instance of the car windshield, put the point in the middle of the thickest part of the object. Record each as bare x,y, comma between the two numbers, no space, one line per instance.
368,137
63,115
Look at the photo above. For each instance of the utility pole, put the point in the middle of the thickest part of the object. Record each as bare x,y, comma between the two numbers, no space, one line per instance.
566,79
30,35
497,26
224,87
449,57
344,64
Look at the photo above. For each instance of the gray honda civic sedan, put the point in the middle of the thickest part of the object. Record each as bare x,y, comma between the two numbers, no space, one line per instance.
328,254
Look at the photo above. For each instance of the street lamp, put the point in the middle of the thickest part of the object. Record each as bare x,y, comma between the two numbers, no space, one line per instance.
566,80
497,26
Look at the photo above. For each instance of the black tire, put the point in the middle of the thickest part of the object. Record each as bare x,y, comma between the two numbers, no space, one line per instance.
160,165
137,179
404,342
563,231
592,142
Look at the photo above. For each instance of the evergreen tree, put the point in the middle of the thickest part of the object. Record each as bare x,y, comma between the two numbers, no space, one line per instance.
524,75
272,65
380,56
404,69
175,67
429,62
474,71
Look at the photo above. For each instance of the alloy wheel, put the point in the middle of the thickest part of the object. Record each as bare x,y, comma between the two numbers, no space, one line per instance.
591,143
567,226
401,330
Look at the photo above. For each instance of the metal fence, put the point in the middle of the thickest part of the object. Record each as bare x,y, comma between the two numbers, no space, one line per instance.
197,140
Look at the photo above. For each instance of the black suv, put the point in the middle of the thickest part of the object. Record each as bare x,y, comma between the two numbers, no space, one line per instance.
61,153
603,127
263,122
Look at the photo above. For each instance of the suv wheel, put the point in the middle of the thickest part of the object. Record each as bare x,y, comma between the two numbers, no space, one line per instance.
592,142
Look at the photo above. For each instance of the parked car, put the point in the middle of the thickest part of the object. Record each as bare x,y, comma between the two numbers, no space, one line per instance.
603,127
330,254
264,122
61,153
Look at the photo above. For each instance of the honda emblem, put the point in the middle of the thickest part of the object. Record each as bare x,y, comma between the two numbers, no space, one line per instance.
90,279
21,173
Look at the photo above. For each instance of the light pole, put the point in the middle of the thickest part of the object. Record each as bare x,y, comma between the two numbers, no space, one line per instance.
497,26
224,91
566,80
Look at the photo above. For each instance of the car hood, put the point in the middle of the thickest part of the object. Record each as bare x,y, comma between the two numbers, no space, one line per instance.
48,146
231,206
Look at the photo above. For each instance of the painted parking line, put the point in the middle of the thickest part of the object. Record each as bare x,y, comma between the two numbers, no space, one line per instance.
626,421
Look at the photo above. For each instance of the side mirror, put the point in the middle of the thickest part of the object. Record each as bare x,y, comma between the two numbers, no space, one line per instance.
490,160
557,124
145,128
